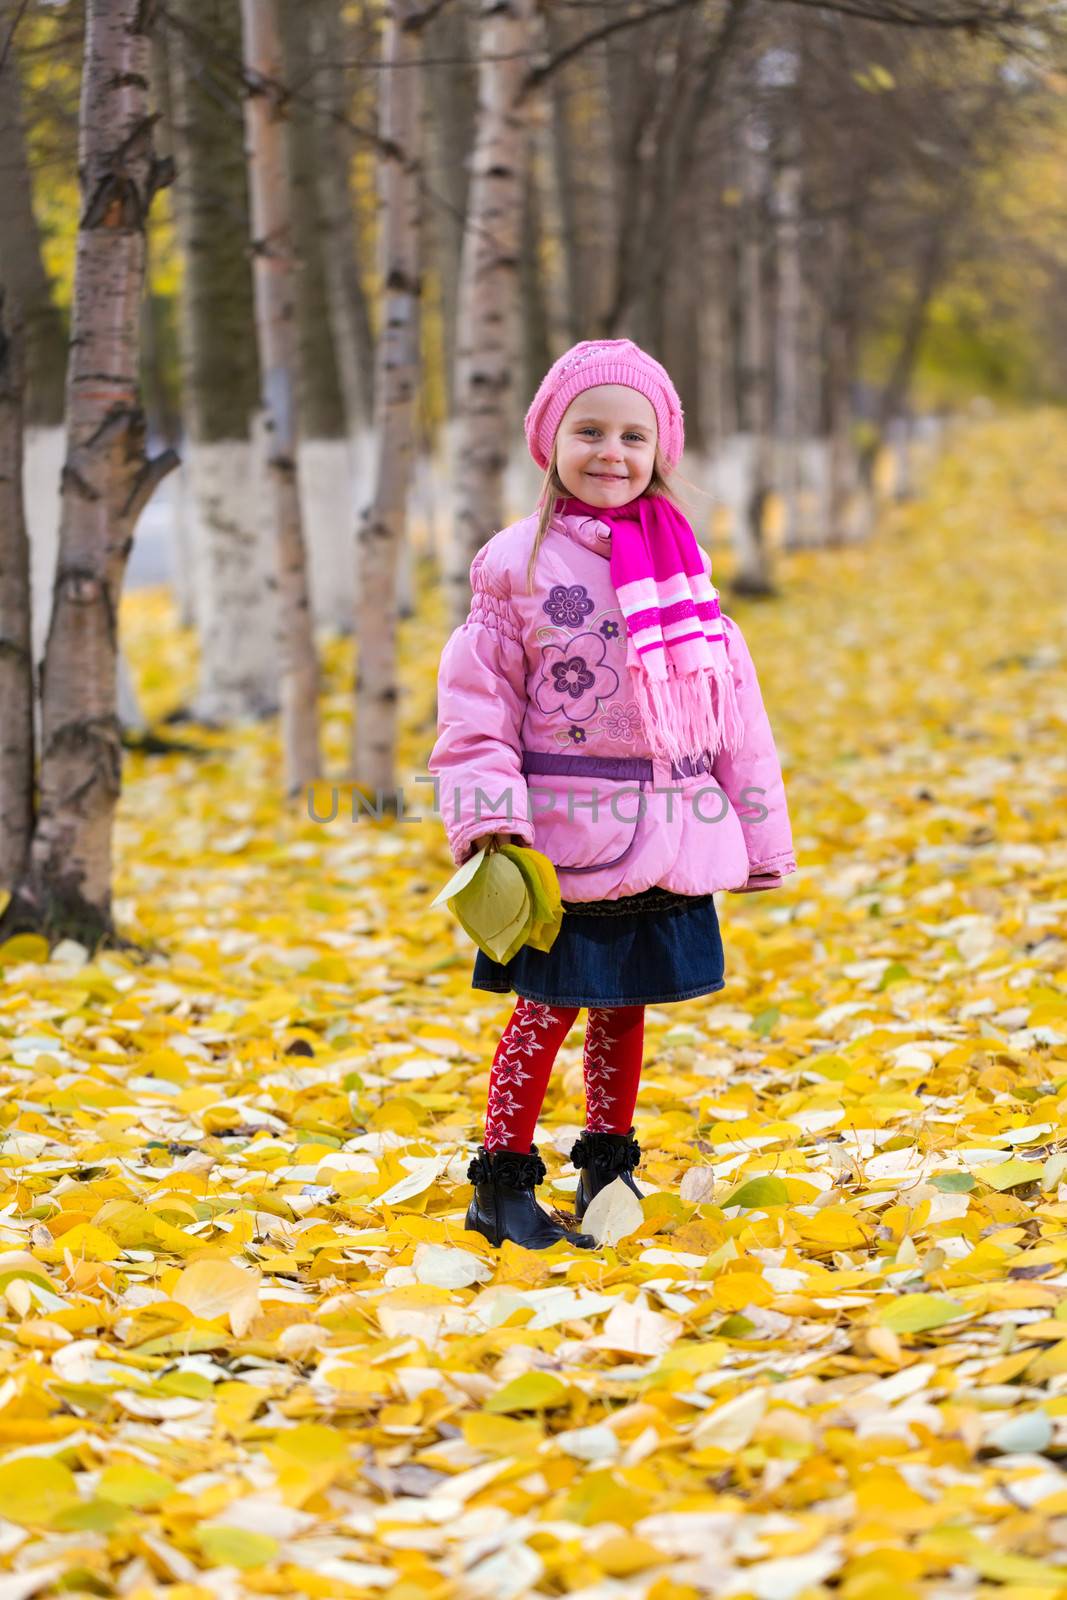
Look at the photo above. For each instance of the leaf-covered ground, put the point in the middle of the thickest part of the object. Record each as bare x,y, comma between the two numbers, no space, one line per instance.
247,1346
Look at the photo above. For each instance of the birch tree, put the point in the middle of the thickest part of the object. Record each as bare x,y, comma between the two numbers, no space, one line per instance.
21,259
16,662
488,342
275,303
220,378
325,461
22,270
451,91
107,480
753,567
349,313
381,527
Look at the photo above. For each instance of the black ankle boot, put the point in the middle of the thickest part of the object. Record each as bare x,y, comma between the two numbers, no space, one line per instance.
504,1206
600,1159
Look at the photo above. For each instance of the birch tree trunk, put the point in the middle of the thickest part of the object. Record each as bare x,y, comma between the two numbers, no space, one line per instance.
711,269
275,303
107,480
235,600
30,298
21,263
325,474
451,96
381,527
753,567
550,205
840,477
349,314
488,337
16,661
574,107
788,327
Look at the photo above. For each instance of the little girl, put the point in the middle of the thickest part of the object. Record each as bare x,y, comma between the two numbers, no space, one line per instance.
597,705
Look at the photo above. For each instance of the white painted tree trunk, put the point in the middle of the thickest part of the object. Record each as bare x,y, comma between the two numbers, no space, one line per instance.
185,551
42,465
43,455
107,479
381,527
488,343
237,601
276,336
329,507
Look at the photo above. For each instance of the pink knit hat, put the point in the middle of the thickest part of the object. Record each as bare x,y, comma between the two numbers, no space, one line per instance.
596,361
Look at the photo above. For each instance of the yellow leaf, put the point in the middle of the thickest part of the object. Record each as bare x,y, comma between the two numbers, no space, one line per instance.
23,947
501,1435
733,1291
914,1313
83,1243
1003,1175
215,1289
311,1443
35,1489
532,1391
129,1484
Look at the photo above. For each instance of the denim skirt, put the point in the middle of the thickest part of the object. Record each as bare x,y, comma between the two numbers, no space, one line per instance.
640,949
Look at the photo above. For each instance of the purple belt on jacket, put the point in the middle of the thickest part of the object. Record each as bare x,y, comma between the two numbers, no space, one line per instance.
627,769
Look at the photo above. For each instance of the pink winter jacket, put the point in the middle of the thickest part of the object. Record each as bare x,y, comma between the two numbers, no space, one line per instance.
539,736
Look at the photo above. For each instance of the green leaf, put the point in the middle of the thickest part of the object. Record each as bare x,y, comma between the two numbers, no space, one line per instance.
532,878
896,972
532,1391
236,1547
735,1326
915,1313
953,1182
764,1021
92,1516
762,1191
496,909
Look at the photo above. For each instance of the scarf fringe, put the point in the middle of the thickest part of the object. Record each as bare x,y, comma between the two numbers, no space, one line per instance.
686,716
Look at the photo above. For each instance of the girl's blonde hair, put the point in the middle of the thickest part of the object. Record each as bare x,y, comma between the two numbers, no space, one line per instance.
553,489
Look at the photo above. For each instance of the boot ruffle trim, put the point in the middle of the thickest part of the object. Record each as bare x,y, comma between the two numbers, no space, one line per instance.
511,1167
608,1153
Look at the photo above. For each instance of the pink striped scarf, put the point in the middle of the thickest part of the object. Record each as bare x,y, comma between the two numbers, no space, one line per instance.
676,645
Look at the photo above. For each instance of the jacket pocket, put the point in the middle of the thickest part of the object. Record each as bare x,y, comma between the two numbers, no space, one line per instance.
586,810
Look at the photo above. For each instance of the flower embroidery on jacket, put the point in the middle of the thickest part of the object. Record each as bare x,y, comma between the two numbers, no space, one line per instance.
568,606
576,735
574,678
622,721
609,629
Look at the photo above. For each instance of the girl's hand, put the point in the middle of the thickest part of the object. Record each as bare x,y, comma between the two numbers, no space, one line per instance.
492,841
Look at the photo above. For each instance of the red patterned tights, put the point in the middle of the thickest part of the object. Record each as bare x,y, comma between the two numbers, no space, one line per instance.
614,1044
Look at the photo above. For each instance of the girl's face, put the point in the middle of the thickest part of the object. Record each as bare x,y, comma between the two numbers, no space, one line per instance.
606,445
